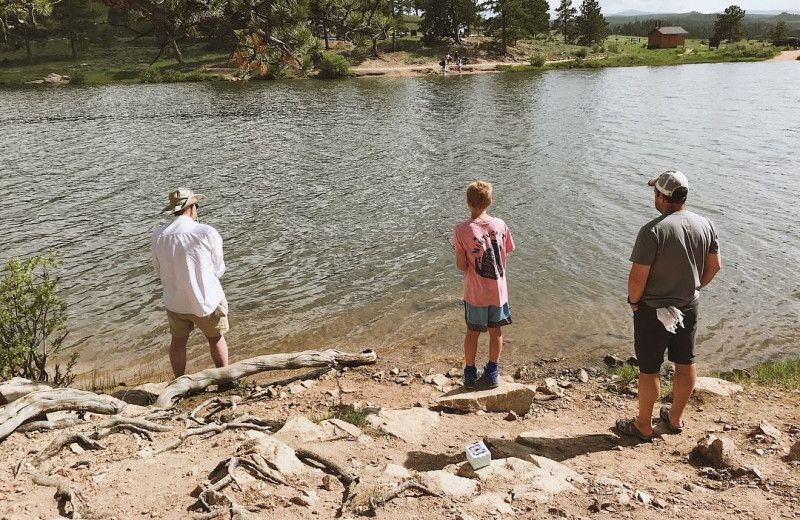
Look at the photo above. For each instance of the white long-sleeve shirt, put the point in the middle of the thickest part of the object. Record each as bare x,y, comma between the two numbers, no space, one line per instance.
188,258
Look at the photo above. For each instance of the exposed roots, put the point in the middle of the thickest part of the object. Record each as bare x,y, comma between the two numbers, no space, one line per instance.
374,503
348,481
244,422
71,503
65,440
43,426
215,404
264,392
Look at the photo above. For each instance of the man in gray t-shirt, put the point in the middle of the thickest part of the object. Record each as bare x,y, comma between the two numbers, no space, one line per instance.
674,256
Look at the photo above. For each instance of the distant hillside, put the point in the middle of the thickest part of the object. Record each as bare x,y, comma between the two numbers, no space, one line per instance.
701,25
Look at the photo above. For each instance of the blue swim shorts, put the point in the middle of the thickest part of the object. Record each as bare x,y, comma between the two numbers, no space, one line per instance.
489,317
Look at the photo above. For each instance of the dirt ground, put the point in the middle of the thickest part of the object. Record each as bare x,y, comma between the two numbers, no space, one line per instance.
126,481
787,56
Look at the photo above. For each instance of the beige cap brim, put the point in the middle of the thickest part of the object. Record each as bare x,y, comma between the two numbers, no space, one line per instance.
194,199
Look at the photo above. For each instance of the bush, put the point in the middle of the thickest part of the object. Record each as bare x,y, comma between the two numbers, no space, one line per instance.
151,74
582,53
77,78
613,48
538,60
598,48
33,321
172,76
333,66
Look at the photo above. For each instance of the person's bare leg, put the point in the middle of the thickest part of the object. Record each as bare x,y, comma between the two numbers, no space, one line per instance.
649,388
682,386
219,351
471,347
177,355
495,344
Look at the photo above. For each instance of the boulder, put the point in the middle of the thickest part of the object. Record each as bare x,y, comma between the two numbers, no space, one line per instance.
449,484
493,502
412,425
279,455
537,479
142,395
713,387
794,452
301,429
770,431
505,398
718,452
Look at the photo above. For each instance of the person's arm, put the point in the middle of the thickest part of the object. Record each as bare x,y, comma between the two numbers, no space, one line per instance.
461,261
712,267
216,255
637,279
156,265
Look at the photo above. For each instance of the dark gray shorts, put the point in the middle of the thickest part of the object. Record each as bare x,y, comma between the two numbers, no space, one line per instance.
651,339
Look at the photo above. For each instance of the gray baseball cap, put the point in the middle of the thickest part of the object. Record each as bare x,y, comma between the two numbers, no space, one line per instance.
669,181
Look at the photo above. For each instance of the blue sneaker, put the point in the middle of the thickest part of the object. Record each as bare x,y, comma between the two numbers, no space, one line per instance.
491,374
471,375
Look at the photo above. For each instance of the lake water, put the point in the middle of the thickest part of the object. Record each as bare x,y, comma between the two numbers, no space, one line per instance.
336,202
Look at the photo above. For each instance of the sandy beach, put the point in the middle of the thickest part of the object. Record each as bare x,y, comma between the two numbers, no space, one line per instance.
787,56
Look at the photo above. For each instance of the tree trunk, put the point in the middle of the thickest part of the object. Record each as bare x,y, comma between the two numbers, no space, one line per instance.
374,47
177,51
72,38
503,30
28,50
325,34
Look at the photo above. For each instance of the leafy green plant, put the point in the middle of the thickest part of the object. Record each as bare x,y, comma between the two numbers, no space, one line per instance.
582,53
33,321
333,66
151,75
626,373
538,60
77,78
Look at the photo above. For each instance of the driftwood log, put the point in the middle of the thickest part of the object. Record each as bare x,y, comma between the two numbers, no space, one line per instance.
57,399
215,376
17,387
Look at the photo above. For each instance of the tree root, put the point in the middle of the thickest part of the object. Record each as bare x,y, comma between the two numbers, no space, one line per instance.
218,403
374,503
65,440
244,422
348,481
43,426
67,494
263,393
224,475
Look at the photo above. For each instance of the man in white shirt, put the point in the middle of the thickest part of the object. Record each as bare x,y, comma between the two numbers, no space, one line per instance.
187,256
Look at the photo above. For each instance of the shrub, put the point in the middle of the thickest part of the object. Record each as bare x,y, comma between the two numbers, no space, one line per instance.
538,60
151,75
333,66
33,321
582,53
613,48
598,48
172,76
77,78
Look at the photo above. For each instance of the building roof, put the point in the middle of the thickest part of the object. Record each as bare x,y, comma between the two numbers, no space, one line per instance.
671,30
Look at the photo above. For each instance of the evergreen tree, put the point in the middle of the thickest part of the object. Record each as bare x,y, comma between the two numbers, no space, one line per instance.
515,19
780,31
729,25
445,18
19,22
591,24
565,20
75,19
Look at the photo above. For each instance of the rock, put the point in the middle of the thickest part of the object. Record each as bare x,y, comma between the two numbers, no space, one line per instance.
464,516
412,425
305,498
583,376
297,389
550,387
279,455
643,497
495,502
440,380
794,452
522,372
713,387
76,448
449,484
394,371
623,498
770,431
454,373
377,375
308,383
512,416
396,471
613,361
538,479
133,410
142,395
719,452
330,483
557,470
505,398
54,78
336,428
660,503
302,429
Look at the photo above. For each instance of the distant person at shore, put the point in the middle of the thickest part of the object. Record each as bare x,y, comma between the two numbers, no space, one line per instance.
675,255
481,245
187,256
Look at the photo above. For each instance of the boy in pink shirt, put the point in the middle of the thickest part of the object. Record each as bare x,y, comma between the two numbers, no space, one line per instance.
481,245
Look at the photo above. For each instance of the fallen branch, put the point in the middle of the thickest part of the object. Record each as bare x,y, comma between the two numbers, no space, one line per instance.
224,475
67,494
396,492
57,399
65,440
219,405
240,423
44,426
348,481
18,387
217,376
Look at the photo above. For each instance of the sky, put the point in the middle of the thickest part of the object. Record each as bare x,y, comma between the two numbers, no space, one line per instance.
683,6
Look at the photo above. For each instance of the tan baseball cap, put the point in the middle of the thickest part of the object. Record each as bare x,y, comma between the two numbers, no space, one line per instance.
182,198
669,181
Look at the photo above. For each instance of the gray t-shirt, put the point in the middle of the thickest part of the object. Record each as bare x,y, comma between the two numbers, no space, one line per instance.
675,246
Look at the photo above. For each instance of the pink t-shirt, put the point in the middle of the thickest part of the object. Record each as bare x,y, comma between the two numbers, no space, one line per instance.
485,243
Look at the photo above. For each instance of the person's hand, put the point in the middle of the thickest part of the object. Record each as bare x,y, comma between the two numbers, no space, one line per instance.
634,307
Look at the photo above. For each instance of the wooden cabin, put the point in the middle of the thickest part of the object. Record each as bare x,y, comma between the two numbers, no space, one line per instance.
666,37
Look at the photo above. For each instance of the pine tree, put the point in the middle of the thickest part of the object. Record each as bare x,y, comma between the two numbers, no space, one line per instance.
75,19
565,19
591,24
729,25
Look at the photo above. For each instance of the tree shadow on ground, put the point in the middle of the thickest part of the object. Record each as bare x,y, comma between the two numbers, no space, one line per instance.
422,461
556,448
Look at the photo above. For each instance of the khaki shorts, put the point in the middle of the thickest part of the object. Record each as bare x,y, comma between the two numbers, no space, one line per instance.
212,326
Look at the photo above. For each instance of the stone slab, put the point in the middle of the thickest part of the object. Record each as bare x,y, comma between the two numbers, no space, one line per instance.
505,398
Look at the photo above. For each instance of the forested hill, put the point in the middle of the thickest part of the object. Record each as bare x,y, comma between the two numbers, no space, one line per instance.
700,25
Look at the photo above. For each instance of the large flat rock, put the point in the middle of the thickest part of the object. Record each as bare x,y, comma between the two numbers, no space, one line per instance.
508,397
711,386
537,478
449,484
412,425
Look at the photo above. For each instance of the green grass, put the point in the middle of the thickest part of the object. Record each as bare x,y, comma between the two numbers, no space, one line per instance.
345,413
784,373
627,373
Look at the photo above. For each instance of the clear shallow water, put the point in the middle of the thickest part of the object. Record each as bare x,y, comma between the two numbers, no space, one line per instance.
336,201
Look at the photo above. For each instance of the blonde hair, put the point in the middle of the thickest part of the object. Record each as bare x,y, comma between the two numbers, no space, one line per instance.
479,194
